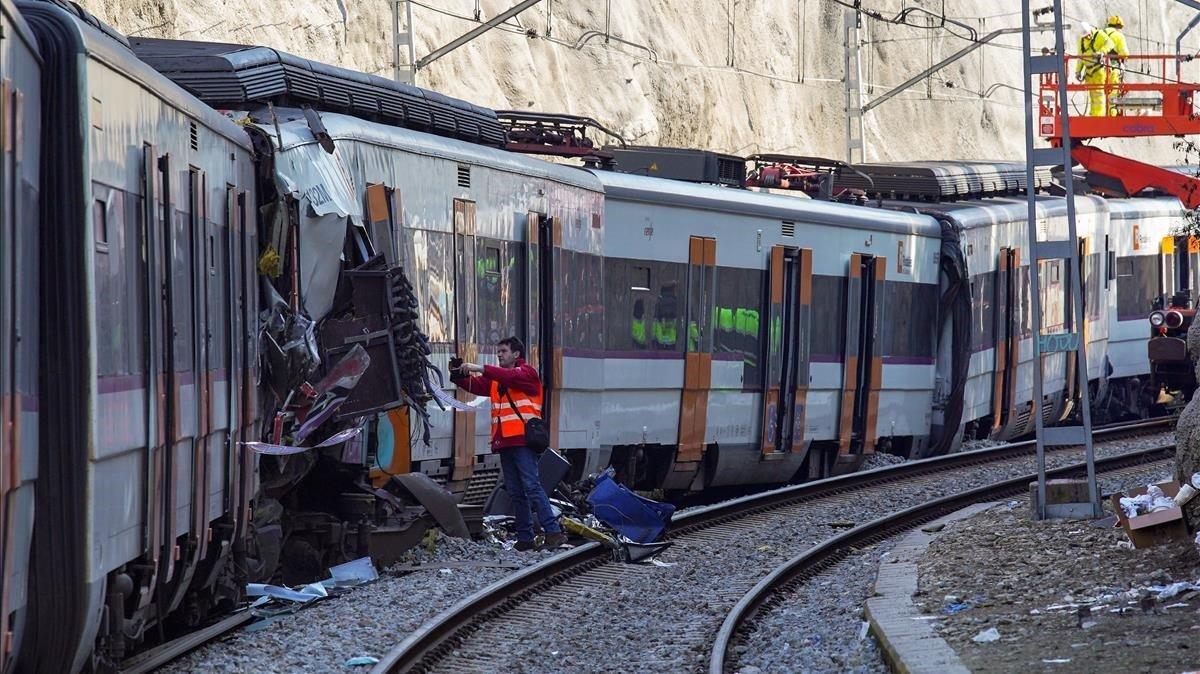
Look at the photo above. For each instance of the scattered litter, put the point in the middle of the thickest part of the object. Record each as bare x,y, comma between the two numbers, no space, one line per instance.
1188,490
361,661
1061,607
1179,605
446,572
926,617
342,578
659,562
304,595
957,608
1168,591
1152,501
933,528
863,629
356,572
987,636
1057,661
1088,624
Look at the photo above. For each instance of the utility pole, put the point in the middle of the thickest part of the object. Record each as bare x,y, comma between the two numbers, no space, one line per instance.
856,145
404,56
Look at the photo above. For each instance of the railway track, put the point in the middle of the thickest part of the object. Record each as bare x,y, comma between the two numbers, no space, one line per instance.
483,631
786,577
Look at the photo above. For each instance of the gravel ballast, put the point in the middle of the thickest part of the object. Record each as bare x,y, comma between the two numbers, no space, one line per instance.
818,628
1061,595
663,618
368,621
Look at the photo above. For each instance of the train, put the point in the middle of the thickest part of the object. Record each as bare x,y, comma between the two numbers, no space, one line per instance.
231,281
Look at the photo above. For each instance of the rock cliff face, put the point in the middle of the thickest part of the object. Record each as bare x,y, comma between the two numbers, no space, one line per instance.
732,75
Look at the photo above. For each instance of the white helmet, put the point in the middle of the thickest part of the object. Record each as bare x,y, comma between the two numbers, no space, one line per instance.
1087,28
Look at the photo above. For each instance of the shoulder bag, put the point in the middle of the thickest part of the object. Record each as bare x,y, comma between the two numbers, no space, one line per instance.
537,431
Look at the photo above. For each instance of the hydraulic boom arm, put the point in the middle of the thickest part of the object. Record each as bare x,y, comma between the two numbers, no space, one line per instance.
1127,177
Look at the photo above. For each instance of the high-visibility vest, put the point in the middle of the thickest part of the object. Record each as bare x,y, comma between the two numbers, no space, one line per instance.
638,330
505,418
1119,46
1091,47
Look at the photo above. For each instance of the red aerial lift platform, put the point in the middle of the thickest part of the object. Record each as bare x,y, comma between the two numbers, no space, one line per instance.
1165,106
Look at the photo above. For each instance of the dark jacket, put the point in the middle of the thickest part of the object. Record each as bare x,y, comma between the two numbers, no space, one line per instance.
521,377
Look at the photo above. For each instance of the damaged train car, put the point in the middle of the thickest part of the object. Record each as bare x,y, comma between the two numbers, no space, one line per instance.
362,221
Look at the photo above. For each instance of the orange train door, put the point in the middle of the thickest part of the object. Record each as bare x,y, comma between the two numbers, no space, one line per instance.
697,368
1007,340
464,332
544,237
863,367
789,321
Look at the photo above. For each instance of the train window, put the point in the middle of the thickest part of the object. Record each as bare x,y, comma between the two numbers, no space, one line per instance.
737,326
828,312
1137,286
100,225
912,309
490,262
639,279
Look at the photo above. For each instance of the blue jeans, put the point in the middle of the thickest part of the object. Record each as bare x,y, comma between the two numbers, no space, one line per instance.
520,466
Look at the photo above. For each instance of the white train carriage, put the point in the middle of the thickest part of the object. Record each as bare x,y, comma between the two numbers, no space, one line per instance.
996,400
149,362
748,331
1146,265
496,244
20,130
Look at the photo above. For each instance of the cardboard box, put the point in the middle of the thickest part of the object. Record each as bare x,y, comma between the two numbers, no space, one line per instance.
1154,528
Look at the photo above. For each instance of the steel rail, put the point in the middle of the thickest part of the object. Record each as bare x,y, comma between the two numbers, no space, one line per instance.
438,636
162,654
834,549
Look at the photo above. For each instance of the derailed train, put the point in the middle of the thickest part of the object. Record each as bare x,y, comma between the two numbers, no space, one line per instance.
176,282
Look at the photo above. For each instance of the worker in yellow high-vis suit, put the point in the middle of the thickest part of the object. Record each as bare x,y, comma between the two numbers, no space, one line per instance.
1120,51
1090,69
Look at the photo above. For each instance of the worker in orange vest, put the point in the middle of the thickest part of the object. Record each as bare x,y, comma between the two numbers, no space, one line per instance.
516,394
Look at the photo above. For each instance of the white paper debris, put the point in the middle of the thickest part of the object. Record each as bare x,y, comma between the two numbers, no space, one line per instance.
1168,591
1152,501
987,636
1057,661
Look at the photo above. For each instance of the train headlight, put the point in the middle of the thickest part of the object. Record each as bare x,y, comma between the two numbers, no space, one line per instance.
1157,318
1174,319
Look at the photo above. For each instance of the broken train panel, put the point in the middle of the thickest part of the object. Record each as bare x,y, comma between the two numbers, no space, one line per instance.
464,230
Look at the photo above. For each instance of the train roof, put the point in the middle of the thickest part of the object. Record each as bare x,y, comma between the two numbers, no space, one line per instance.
235,75
999,210
941,180
294,132
18,22
103,43
1141,207
774,206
